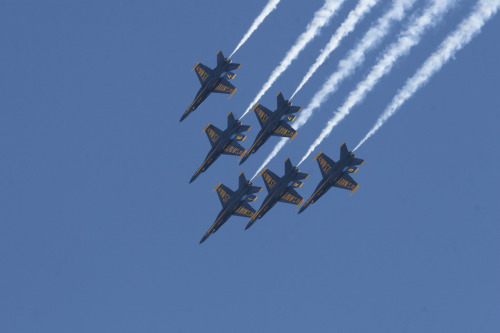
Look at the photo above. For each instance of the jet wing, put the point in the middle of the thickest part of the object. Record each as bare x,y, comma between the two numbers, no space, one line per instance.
346,182
213,134
284,130
291,196
325,163
203,72
263,114
224,87
234,148
224,193
270,179
244,209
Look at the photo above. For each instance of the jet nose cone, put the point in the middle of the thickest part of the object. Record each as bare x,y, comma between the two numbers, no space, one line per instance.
203,239
183,117
243,159
302,209
249,224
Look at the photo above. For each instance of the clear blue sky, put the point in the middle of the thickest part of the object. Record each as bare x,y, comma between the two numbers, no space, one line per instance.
99,228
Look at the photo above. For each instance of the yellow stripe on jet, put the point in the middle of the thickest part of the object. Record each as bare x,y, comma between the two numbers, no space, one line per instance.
205,128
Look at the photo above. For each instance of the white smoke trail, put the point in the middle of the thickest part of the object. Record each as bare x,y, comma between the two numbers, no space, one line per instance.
357,14
321,17
467,30
409,38
270,6
347,66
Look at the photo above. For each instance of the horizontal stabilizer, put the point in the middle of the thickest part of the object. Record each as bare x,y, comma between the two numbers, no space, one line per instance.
291,196
263,114
293,109
244,128
224,193
244,209
352,170
230,75
290,118
357,161
203,72
301,175
251,198
240,137
297,184
284,130
234,148
213,134
233,66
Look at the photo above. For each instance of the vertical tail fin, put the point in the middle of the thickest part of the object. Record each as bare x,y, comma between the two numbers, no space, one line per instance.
281,99
220,58
343,150
230,120
242,180
288,166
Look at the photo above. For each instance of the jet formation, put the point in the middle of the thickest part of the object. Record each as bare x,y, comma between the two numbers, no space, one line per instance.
272,123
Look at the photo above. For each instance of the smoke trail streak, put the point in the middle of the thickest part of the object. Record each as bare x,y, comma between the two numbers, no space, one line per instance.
347,66
356,15
271,5
321,17
409,38
467,30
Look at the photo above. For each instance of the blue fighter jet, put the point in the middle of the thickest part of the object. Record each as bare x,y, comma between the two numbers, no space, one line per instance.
335,174
273,123
213,80
280,189
234,203
223,142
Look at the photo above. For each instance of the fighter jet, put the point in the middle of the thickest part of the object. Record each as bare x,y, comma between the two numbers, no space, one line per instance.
280,189
273,123
335,174
234,203
223,142
213,80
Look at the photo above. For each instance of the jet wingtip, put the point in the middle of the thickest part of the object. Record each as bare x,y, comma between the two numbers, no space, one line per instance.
352,192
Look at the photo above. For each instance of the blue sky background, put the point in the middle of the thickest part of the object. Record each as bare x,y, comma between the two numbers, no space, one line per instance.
99,228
